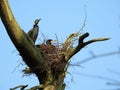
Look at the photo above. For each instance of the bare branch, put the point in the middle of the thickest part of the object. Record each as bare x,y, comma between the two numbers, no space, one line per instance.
68,41
21,87
96,40
82,44
36,87
98,56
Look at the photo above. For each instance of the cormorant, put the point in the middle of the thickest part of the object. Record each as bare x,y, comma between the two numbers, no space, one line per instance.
49,42
33,33
51,49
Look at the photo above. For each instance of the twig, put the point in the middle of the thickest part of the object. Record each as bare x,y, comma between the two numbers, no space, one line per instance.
57,40
68,41
98,56
22,87
36,87
85,19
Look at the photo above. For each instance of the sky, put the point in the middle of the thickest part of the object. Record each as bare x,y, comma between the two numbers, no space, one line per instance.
63,17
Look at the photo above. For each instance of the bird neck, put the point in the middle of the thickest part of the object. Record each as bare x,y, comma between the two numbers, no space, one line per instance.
35,26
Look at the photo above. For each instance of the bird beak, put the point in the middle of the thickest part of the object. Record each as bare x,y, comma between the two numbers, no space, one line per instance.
53,41
36,21
39,19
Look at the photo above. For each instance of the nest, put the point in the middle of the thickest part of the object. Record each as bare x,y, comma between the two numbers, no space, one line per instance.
53,56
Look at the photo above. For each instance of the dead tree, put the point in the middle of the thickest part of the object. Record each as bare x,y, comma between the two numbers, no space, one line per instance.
49,63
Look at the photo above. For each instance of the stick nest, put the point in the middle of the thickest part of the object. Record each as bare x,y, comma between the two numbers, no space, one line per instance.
53,56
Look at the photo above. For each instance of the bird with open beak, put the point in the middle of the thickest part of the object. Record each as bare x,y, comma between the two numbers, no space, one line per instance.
33,33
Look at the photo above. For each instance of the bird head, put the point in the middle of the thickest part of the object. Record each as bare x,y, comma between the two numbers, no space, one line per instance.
36,21
50,42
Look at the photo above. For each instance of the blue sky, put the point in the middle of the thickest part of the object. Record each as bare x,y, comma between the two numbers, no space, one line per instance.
63,17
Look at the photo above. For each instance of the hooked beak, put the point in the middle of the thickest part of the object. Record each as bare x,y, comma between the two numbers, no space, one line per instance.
37,21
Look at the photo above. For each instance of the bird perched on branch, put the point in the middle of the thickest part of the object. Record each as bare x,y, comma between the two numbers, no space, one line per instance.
33,33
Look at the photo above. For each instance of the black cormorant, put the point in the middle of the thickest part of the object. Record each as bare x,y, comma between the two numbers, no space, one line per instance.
49,42
33,33
51,48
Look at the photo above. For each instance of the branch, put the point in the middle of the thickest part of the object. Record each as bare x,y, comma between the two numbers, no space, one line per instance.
9,21
96,40
68,41
39,87
30,54
22,87
82,44
97,56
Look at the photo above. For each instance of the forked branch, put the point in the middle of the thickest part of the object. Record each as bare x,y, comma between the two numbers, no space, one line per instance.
82,44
